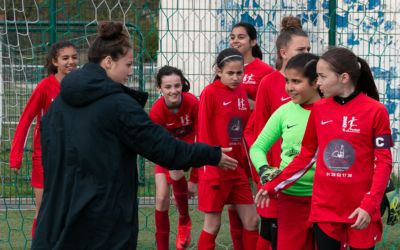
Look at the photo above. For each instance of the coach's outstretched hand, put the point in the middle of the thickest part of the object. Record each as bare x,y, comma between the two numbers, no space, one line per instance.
227,162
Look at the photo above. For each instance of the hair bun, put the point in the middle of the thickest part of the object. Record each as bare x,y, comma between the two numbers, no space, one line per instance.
290,23
110,30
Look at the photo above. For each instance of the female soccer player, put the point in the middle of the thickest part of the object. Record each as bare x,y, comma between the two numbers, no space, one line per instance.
176,111
61,59
271,94
289,122
348,133
223,113
91,136
243,37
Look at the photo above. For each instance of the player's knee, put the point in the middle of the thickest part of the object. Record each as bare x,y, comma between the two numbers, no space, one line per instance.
250,222
212,226
162,202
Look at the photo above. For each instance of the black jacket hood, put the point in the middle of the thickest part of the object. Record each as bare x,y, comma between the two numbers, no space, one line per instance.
90,83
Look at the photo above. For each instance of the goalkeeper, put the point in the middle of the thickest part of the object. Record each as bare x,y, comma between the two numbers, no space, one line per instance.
289,121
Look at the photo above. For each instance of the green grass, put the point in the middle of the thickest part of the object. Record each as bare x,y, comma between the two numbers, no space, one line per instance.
16,225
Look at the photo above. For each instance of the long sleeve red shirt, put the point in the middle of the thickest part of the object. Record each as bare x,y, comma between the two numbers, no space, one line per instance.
183,124
40,100
252,75
223,113
271,95
351,144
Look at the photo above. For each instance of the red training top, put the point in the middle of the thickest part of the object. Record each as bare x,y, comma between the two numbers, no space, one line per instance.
223,113
183,124
43,95
270,96
252,75
354,160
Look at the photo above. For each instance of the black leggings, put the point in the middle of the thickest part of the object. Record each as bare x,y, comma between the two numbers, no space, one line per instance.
269,230
324,242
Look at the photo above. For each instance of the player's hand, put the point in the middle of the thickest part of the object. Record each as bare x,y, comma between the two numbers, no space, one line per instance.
227,162
192,189
15,170
363,218
262,198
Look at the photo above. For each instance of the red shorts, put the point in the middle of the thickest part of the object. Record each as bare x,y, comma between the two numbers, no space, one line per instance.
161,170
213,198
365,238
37,180
294,229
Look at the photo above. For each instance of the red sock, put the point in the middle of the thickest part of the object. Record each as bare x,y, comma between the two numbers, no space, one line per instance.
33,227
250,238
206,241
162,229
236,228
263,244
180,190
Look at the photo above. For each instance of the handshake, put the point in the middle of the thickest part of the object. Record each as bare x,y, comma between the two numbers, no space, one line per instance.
268,173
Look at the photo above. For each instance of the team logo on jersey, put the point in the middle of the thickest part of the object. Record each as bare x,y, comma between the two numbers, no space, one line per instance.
241,104
235,129
383,141
185,120
249,79
339,155
182,131
349,125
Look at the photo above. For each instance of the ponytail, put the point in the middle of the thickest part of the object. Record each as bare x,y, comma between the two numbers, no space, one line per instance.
366,81
256,52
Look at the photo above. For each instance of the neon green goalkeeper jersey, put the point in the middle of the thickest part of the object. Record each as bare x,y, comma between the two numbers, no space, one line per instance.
288,122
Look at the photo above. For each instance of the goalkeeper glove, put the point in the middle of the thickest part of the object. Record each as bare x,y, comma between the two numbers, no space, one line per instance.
268,173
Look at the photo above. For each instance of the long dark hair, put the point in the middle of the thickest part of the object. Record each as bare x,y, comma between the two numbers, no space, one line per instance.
290,26
169,70
52,54
342,60
225,56
112,40
252,33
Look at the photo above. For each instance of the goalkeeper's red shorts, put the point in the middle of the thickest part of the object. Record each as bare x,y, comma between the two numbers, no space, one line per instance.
365,238
161,170
294,229
213,198
37,180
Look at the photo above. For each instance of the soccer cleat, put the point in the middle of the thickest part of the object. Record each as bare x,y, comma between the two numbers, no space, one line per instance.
268,173
394,208
184,235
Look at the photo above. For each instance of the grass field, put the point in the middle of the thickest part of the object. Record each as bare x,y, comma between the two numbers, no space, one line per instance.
16,225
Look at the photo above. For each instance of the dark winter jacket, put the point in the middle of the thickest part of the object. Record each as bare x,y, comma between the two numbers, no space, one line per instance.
91,136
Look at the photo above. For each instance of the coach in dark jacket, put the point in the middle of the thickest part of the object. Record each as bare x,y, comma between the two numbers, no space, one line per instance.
91,136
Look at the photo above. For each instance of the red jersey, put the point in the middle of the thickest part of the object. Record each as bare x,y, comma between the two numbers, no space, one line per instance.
40,100
252,75
181,124
354,160
270,96
223,113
